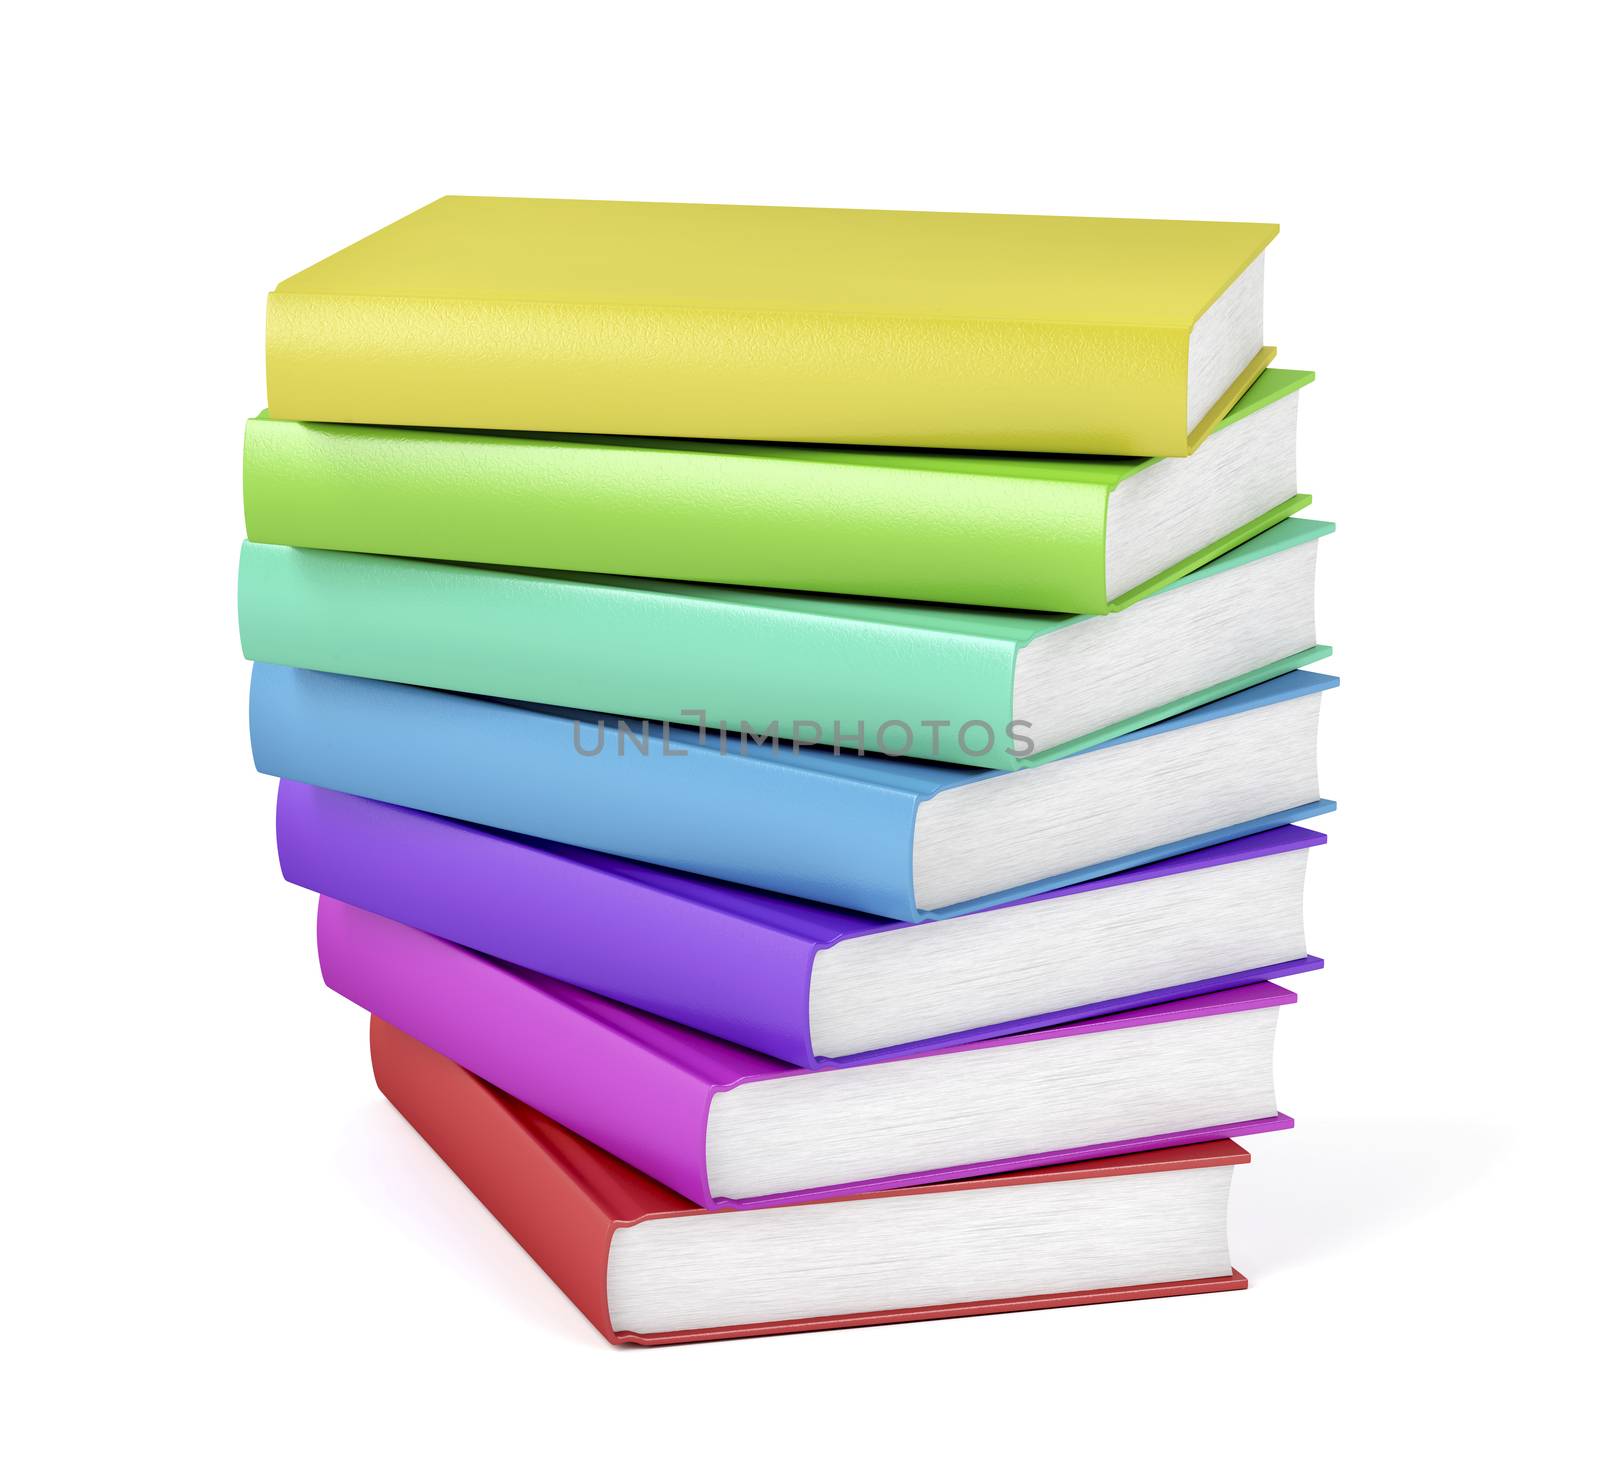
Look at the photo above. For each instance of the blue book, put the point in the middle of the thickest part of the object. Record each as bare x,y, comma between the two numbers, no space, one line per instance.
901,838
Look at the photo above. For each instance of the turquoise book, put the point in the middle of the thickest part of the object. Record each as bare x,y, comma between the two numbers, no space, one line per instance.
960,685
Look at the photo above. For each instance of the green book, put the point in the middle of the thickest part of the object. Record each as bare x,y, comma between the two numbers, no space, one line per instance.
1046,533
962,685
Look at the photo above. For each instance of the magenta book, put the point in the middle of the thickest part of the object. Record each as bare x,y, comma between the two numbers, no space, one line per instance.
727,1127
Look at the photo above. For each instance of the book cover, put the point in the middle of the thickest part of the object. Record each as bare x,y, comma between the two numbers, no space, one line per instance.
784,663
564,1199
1001,530
1023,333
728,960
833,828
639,1086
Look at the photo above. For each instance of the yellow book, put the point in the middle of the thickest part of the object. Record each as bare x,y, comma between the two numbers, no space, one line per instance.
1027,333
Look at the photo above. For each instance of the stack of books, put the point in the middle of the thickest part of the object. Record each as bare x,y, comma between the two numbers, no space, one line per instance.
798,719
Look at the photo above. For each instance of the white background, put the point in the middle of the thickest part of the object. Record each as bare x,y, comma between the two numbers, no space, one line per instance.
224,1247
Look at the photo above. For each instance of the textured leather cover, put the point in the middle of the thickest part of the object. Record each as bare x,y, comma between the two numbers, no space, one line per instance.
834,828
658,648
978,529
729,960
1024,333
639,1086
563,1199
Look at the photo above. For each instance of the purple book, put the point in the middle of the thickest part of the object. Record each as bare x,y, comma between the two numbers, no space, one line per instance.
727,1127
814,985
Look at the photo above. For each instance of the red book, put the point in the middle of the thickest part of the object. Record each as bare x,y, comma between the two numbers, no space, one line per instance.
648,1267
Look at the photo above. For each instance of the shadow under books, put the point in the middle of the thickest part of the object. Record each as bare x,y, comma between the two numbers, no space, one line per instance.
1335,1184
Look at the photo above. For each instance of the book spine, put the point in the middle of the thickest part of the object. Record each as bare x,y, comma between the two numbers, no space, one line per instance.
767,375
754,668
731,514
542,1204
622,938
587,1075
775,822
